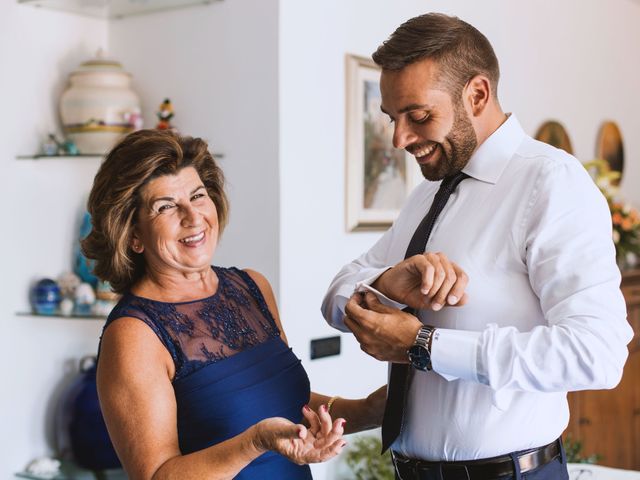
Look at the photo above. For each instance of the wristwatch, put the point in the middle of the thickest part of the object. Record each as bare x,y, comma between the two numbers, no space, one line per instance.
420,352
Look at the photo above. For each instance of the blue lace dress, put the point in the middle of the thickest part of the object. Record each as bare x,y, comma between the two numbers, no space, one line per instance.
232,367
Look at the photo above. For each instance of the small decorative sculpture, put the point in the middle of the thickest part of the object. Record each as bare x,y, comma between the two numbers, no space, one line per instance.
45,297
85,298
106,299
68,282
44,467
52,146
165,114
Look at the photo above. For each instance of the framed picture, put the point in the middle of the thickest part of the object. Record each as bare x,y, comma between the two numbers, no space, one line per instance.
609,146
378,176
554,133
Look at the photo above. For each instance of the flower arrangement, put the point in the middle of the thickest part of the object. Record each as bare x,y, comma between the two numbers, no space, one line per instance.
625,219
366,462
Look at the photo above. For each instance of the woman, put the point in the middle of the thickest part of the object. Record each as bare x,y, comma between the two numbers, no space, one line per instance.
195,377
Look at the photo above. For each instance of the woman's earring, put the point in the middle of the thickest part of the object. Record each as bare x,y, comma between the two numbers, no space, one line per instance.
136,247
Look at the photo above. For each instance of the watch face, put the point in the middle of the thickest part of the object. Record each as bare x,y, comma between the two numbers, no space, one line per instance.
419,357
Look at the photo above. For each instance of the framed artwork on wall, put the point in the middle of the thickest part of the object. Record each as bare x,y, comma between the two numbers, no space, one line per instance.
609,147
378,176
554,133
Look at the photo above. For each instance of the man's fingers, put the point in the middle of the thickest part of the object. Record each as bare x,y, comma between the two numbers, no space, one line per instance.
440,298
352,308
457,291
428,276
372,303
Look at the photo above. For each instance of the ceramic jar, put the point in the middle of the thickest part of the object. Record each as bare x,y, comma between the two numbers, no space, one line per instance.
99,107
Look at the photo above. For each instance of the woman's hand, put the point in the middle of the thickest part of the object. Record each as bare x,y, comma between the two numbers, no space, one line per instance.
318,443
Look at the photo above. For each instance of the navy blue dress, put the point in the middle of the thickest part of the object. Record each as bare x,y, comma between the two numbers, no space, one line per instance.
232,367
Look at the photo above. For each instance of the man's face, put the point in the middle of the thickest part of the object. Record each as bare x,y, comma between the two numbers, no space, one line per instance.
428,123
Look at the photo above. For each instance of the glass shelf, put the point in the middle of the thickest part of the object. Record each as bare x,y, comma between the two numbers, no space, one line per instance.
73,316
69,471
114,9
40,156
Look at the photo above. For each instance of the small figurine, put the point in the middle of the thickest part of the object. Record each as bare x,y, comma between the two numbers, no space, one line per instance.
66,307
85,298
44,467
134,118
165,114
106,299
68,282
69,147
52,146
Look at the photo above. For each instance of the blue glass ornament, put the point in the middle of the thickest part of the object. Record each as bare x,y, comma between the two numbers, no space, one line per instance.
83,267
81,432
45,297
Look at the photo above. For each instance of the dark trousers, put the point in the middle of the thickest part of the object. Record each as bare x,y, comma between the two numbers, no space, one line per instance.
554,470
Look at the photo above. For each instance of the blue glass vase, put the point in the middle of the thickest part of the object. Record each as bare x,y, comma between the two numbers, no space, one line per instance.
83,267
80,425
45,297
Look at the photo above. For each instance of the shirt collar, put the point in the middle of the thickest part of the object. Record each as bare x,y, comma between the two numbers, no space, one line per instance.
491,158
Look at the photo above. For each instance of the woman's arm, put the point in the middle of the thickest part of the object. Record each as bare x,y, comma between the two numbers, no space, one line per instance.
361,414
139,407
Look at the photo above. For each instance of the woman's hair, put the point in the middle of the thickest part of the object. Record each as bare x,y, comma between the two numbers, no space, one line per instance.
459,49
115,198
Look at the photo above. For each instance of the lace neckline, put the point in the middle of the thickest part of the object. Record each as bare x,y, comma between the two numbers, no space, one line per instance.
221,280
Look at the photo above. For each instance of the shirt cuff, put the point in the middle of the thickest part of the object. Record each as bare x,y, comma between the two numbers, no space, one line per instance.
365,285
454,353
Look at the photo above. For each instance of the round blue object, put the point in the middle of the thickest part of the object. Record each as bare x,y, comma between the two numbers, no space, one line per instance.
81,425
45,297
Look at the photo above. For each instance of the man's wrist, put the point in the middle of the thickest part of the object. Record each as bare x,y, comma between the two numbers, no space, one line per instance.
420,352
378,283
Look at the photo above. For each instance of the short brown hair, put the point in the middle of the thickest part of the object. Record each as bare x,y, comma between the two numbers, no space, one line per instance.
460,50
115,198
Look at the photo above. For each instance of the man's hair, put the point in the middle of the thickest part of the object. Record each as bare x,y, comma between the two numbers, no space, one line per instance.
459,49
115,199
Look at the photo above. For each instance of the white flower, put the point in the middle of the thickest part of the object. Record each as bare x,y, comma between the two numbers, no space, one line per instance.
44,467
626,209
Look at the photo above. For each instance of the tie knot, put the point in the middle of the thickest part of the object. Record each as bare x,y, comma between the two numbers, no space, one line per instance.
451,182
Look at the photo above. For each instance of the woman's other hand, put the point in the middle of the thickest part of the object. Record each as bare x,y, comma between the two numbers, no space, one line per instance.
318,443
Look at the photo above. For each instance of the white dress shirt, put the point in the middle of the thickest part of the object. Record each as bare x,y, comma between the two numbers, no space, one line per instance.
545,313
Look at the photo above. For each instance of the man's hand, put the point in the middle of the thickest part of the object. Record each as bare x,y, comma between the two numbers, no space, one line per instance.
383,332
425,281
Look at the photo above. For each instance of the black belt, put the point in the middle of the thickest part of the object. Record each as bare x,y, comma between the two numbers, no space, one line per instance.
489,468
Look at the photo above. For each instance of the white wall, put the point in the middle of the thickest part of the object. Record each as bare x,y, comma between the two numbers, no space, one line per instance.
42,203
571,60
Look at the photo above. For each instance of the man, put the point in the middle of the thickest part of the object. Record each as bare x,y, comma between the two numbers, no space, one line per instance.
479,390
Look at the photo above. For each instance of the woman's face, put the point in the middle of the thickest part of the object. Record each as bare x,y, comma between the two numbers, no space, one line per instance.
177,229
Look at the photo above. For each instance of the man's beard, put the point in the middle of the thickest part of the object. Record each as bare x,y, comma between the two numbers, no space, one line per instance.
461,142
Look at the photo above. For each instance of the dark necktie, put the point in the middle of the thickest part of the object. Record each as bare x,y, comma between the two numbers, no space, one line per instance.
400,372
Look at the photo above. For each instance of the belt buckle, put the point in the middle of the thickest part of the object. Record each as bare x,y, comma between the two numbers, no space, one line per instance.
456,469
396,461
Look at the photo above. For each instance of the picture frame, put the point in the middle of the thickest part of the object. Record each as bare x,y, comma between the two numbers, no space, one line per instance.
378,176
610,147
